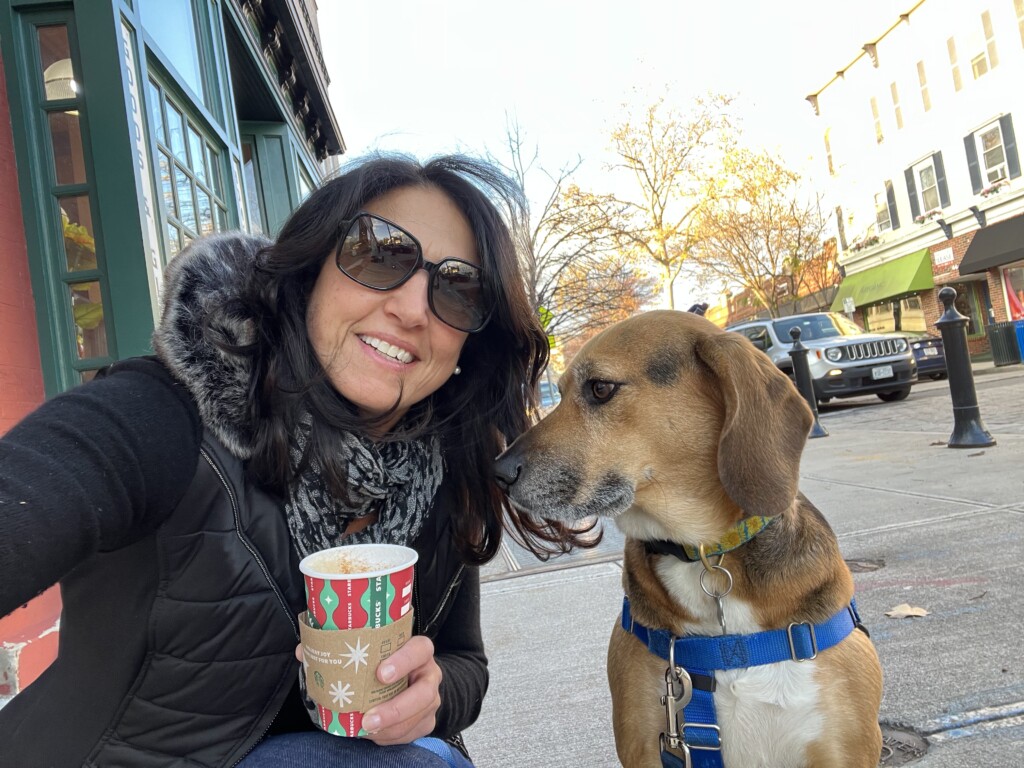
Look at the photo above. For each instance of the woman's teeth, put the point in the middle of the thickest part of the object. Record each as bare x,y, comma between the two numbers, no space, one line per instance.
395,353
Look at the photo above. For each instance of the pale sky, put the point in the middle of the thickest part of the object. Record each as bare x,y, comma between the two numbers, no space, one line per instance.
426,77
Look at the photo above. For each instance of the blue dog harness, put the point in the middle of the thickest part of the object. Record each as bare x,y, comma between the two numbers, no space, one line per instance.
690,677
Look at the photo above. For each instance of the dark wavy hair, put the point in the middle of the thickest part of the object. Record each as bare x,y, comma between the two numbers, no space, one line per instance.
477,413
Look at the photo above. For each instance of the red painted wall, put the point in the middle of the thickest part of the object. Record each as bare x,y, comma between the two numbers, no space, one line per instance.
28,640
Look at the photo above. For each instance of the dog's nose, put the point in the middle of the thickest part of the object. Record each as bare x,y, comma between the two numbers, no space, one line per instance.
507,468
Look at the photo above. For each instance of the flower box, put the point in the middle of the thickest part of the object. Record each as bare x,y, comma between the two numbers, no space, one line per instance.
995,188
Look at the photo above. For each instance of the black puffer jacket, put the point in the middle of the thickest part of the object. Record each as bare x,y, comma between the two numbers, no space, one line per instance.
180,584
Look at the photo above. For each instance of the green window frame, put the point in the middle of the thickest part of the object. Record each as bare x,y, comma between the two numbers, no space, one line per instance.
76,286
271,151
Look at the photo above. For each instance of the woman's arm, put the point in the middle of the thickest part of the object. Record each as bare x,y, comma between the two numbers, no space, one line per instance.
90,470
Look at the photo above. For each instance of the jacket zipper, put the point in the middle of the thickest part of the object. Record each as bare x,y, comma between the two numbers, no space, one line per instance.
259,561
252,550
444,600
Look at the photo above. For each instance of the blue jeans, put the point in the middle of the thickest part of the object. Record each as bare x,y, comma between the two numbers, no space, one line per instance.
314,749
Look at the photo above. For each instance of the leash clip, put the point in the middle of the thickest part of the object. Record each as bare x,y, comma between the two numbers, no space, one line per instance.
678,693
665,743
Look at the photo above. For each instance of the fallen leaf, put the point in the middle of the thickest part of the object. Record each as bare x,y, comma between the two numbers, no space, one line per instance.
979,453
904,610
938,442
978,597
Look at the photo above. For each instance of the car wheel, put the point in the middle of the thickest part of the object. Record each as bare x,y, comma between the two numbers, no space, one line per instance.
895,396
936,376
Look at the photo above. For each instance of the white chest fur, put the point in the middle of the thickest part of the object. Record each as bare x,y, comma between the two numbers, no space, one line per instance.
767,714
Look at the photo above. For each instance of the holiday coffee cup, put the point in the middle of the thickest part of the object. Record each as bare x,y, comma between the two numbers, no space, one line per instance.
359,612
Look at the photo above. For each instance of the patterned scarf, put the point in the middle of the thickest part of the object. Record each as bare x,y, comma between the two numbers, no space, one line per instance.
397,480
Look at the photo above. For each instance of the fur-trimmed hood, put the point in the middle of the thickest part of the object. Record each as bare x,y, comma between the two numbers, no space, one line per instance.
197,284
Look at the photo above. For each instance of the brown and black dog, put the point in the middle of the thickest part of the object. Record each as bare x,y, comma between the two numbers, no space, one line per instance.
679,431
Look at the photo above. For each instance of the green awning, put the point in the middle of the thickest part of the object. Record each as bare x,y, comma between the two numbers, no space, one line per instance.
907,274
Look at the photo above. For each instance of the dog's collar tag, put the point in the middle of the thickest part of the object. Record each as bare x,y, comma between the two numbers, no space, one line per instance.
745,530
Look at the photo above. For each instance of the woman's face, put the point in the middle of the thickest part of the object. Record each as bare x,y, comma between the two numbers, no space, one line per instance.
377,344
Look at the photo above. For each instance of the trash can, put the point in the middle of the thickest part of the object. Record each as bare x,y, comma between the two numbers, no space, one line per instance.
1019,327
1003,339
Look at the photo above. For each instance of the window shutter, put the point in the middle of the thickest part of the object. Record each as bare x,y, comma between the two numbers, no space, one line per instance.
915,207
1010,146
940,180
890,199
972,162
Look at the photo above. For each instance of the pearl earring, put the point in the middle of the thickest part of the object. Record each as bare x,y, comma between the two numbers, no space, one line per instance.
457,370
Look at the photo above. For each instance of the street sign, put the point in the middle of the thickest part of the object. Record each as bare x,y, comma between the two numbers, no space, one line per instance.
849,305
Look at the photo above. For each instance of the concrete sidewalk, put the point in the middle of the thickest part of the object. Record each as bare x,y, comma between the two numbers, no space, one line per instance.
918,522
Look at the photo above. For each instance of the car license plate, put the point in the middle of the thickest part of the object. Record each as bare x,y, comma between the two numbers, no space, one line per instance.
882,372
930,352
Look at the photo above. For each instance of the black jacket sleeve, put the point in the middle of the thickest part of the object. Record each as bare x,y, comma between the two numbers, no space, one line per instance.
459,651
90,470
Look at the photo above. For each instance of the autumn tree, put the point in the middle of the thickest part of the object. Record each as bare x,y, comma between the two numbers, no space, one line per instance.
762,232
568,255
668,158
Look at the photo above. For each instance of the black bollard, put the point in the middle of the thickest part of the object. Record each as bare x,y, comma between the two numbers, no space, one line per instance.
969,430
804,384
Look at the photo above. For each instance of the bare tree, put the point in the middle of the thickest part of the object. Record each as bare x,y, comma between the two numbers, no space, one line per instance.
819,274
762,231
569,257
671,157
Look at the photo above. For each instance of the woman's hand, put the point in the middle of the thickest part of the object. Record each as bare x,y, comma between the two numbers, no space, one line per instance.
411,714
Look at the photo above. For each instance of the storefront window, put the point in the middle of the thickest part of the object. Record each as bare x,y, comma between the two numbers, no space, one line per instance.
970,302
1013,279
189,171
87,313
77,257
906,314
79,243
172,25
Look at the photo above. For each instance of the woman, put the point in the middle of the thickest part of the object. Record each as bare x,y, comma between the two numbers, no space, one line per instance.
350,382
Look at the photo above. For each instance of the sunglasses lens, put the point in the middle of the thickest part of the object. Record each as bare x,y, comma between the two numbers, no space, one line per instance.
376,253
457,295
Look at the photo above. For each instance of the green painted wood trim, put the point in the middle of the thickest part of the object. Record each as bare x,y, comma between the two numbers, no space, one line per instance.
118,195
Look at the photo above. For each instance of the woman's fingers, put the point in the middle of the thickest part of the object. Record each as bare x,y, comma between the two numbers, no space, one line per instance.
411,656
410,714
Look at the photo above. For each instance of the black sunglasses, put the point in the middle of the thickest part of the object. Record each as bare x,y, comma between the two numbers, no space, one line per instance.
379,254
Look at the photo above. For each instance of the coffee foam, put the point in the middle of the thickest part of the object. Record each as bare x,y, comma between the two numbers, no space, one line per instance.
344,563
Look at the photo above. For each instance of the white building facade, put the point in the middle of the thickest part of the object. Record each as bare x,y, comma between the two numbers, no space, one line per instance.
924,168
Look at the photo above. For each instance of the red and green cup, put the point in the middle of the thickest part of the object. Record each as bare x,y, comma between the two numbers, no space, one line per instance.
360,586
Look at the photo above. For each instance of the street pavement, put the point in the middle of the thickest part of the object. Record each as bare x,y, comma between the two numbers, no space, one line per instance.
918,522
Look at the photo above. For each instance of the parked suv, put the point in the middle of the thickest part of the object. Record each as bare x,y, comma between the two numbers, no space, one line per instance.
845,360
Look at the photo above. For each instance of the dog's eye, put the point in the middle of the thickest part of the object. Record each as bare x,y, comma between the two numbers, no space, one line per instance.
602,391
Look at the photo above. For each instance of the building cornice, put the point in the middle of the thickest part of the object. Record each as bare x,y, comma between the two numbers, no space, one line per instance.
289,44
868,49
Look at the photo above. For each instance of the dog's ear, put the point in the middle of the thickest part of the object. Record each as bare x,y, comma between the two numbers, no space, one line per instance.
765,426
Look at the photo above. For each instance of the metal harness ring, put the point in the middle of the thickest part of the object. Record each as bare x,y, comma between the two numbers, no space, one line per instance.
708,592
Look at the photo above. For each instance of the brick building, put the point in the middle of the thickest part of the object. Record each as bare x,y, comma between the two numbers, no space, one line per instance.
923,165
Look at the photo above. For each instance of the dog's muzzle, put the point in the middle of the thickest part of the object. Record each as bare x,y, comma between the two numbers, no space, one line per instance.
508,467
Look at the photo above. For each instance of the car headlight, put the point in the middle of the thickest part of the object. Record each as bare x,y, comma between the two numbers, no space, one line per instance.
835,354
916,345
901,345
